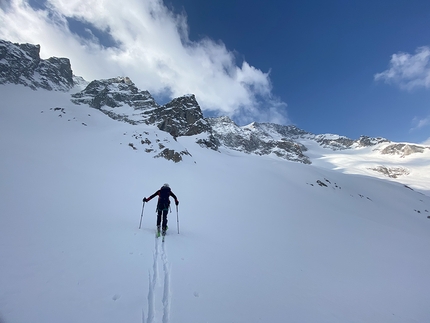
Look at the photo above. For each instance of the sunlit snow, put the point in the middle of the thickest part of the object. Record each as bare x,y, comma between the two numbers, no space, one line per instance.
261,239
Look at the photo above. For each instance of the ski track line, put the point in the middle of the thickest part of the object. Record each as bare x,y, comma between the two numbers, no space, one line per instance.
153,280
152,285
166,293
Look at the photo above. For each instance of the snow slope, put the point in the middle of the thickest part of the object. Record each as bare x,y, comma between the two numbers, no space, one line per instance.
364,160
261,239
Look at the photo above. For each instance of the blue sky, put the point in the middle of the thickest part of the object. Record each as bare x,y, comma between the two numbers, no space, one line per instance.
345,67
323,55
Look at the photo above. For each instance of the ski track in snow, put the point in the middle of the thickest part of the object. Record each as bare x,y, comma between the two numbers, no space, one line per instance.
152,285
166,293
153,280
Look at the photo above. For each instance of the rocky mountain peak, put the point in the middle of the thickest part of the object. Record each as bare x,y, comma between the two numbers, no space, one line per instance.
259,138
365,141
276,131
120,99
337,142
21,64
223,125
403,150
182,117
113,93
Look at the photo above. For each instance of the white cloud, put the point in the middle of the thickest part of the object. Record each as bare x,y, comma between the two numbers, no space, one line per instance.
408,71
420,123
153,49
423,122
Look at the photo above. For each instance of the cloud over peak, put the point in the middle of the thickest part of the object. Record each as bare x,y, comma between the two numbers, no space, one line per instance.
148,42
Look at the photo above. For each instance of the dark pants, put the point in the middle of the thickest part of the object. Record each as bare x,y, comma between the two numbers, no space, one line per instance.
164,213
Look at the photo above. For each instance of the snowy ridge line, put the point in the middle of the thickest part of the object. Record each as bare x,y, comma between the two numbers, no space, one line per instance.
167,293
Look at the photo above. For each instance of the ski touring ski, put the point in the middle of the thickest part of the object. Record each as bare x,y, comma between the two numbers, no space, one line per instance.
159,233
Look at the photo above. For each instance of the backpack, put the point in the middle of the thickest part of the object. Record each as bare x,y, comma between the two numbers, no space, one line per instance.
164,198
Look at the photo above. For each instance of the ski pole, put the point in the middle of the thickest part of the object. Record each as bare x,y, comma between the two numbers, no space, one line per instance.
177,217
141,216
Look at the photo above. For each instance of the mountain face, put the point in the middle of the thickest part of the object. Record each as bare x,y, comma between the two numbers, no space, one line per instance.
112,94
403,149
121,100
336,142
261,139
21,64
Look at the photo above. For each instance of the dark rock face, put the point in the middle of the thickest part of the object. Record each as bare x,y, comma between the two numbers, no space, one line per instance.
403,149
113,93
339,142
260,139
365,141
172,155
21,64
110,94
121,100
290,131
392,172
334,143
181,117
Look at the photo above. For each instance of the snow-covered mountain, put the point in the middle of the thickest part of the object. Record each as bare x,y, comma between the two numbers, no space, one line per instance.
120,99
276,224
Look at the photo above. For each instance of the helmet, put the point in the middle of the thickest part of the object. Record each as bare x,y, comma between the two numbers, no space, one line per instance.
166,185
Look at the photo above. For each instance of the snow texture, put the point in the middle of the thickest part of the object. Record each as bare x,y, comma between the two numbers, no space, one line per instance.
261,239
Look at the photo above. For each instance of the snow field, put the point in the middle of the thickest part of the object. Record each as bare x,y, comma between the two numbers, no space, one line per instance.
260,240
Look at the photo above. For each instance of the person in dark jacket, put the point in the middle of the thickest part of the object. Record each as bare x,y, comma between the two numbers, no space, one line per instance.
163,204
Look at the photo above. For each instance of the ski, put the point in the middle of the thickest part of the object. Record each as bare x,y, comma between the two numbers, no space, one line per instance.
159,233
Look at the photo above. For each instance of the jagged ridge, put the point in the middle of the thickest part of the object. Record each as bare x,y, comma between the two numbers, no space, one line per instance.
121,100
21,64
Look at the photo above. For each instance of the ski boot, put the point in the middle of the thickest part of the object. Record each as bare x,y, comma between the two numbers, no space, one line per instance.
163,233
